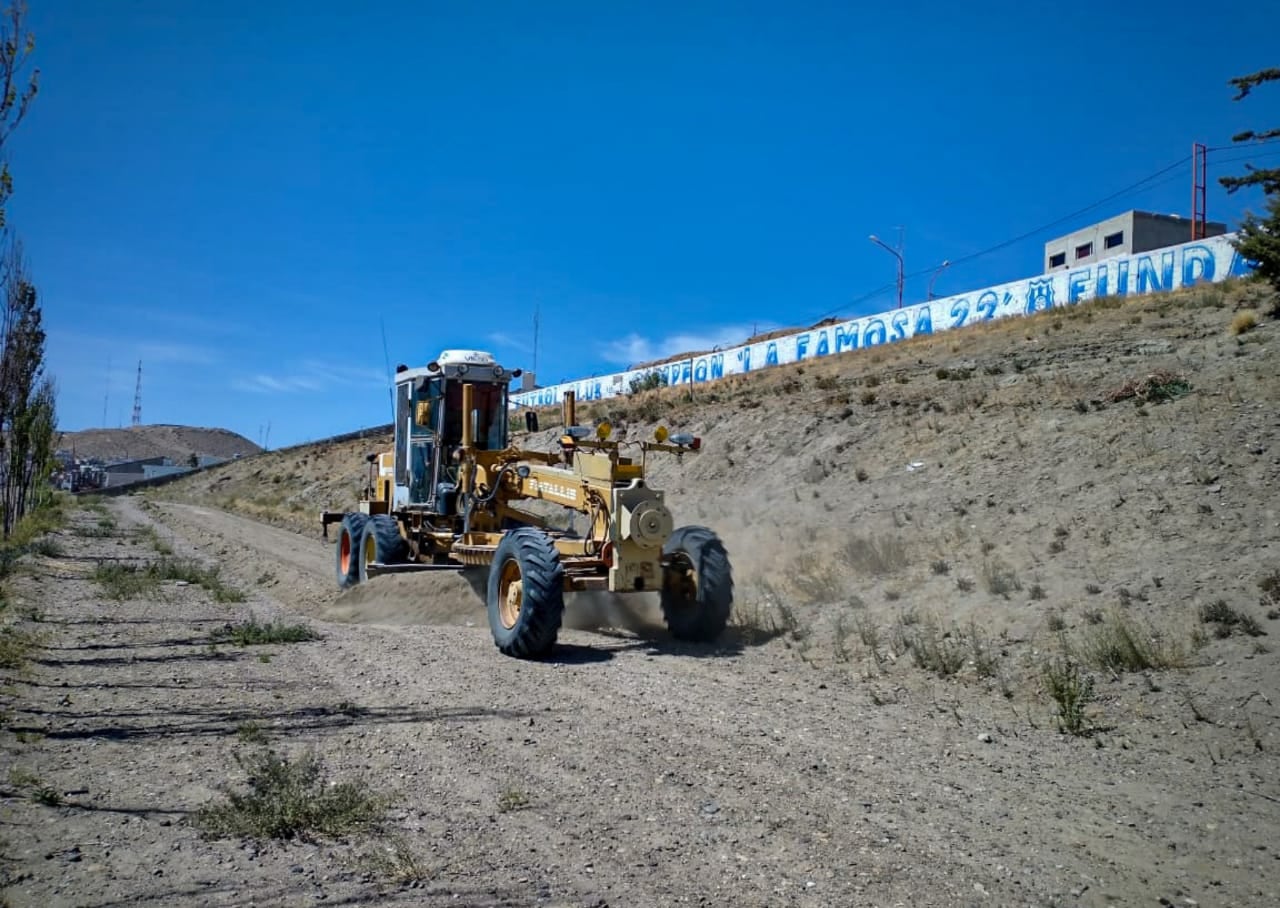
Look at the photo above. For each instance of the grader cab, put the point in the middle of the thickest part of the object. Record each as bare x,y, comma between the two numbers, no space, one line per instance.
448,496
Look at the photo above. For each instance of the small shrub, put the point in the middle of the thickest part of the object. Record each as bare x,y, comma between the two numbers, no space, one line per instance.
290,799
1071,690
964,584
931,649
1057,624
1270,586
876,556
1227,620
130,581
254,633
868,398
984,660
1120,645
648,382
47,547
512,799
1000,579
1037,592
861,474
15,647
251,732
940,567
49,797
1244,322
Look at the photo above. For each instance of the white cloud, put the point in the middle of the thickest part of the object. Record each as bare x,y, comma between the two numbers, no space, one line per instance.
169,352
634,349
311,376
502,339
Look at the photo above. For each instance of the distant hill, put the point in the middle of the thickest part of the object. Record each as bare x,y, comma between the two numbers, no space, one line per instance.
176,442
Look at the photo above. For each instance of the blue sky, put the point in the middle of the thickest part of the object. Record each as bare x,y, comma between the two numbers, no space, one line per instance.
245,196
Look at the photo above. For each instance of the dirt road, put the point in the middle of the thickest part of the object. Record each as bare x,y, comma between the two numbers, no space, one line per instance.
625,770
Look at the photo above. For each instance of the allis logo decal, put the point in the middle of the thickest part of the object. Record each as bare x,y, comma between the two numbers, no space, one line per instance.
552,488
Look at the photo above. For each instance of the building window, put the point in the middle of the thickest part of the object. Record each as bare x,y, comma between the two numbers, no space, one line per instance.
1057,260
1084,250
1113,240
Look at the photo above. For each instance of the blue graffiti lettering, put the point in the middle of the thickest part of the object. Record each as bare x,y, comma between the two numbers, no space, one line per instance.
1197,265
686,371
1148,280
1078,286
1039,294
1122,278
987,304
959,311
875,333
802,346
707,368
1100,281
846,337
824,346
924,320
744,359
899,323
771,357
1240,266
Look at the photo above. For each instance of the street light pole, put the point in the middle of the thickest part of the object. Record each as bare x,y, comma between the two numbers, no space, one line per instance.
896,254
945,264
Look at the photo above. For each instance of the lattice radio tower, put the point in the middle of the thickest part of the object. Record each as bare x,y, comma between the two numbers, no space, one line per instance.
137,398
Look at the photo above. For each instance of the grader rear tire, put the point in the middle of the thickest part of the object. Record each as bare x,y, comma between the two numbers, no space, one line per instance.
525,596
346,550
381,542
697,588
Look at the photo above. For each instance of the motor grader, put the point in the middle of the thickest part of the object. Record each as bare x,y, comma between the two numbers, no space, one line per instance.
448,496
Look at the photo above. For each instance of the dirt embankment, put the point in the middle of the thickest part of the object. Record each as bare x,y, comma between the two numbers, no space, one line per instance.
624,770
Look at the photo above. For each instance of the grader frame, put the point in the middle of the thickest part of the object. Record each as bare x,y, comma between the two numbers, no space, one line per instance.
466,515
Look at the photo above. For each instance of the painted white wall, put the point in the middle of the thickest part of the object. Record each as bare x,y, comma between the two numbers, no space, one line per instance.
1203,261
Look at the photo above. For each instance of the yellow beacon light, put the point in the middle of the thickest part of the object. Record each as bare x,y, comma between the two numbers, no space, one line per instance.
603,430
660,433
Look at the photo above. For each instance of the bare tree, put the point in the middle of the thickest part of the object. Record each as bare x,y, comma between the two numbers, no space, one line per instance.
16,46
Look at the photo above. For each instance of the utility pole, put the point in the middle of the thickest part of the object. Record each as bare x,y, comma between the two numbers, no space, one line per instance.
137,398
1199,179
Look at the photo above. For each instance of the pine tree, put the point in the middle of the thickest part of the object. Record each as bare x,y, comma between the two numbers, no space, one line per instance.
1259,238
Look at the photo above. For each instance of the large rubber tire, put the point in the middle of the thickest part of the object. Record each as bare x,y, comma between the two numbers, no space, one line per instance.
381,542
346,550
697,590
525,621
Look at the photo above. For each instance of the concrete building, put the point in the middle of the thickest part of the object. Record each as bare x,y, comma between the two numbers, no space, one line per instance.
1124,234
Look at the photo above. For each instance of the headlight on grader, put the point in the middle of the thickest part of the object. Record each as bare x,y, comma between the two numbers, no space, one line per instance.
647,524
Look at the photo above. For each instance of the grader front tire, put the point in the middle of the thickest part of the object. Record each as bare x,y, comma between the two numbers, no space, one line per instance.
381,542
526,594
697,587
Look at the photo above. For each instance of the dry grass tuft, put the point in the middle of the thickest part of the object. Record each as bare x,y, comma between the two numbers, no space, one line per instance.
1244,322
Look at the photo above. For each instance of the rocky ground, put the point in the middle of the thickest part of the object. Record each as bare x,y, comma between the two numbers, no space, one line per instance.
933,543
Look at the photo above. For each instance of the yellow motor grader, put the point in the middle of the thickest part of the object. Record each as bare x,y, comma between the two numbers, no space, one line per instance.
448,496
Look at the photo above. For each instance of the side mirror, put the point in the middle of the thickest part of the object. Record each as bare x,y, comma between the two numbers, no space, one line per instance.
531,420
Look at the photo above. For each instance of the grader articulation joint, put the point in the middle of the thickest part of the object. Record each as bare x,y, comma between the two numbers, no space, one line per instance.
448,495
